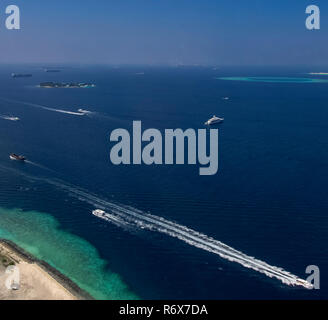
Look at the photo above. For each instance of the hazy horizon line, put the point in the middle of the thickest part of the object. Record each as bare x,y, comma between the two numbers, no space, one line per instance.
65,64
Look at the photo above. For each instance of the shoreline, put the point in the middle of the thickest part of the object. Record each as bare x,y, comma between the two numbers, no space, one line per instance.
19,255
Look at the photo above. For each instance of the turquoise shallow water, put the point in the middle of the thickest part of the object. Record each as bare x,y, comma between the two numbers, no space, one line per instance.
275,79
40,234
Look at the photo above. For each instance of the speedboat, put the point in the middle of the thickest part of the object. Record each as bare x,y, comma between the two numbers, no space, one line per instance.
17,157
98,213
10,118
304,283
214,120
84,111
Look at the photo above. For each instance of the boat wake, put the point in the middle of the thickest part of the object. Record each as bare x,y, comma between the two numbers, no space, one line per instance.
131,218
79,112
74,113
84,111
10,118
38,165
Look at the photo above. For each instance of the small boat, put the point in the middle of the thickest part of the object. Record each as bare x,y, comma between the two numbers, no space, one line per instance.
98,213
11,118
51,70
84,111
16,157
304,283
214,120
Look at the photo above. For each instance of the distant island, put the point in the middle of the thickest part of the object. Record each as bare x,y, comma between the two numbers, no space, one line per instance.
319,73
52,70
21,75
66,85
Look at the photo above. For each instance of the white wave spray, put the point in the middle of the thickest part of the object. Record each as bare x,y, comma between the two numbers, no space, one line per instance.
128,217
10,118
38,165
79,112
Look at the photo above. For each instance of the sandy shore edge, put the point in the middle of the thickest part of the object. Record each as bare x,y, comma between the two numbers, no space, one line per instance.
19,255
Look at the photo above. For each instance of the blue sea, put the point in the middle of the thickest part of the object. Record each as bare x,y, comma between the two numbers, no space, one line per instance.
268,199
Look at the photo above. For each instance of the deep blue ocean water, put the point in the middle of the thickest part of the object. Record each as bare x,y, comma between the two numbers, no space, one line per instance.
268,199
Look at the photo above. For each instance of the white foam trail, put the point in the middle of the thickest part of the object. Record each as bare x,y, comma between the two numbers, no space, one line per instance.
54,110
10,118
84,111
125,216
80,112
65,111
119,222
38,165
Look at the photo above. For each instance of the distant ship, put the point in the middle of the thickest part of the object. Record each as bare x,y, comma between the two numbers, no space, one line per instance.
21,75
12,118
214,120
98,213
84,111
51,70
66,85
9,118
16,157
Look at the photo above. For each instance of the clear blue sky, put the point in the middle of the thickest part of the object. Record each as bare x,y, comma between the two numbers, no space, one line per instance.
223,32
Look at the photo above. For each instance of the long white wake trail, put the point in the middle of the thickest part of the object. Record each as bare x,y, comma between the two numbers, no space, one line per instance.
124,216
80,112
38,165
133,219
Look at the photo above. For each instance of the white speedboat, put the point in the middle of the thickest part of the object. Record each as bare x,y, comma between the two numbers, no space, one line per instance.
84,111
99,213
303,283
214,120
10,118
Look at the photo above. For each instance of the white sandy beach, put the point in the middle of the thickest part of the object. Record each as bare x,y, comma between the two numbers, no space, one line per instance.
35,282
